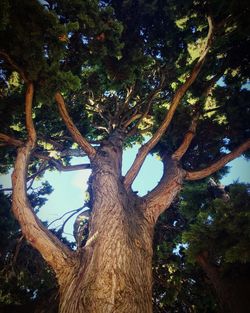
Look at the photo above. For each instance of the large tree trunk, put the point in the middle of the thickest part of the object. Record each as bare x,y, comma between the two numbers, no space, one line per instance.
114,272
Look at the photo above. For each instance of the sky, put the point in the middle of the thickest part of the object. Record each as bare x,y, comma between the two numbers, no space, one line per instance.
70,187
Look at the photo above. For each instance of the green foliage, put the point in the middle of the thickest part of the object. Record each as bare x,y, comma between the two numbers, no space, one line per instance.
85,48
177,283
94,51
37,195
4,14
201,222
222,228
23,273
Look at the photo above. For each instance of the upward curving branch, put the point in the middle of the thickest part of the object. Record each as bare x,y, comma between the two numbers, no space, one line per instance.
83,143
178,154
160,198
14,65
145,149
10,140
188,137
219,164
52,250
28,116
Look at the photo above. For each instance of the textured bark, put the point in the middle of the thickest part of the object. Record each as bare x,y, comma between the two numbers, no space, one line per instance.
53,251
83,143
161,197
115,271
114,274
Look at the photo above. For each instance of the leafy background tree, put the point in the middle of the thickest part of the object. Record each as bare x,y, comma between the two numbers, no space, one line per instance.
201,252
24,275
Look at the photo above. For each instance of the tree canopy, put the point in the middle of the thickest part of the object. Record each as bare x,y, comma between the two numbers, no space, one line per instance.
100,55
91,78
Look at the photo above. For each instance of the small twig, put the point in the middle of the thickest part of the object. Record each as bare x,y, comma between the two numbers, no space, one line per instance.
58,219
59,166
130,91
125,106
214,109
68,234
40,170
6,189
130,112
69,217
132,119
149,100
18,247
102,128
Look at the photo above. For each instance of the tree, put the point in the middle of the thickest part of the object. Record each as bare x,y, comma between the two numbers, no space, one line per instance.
178,285
218,240
208,226
173,70
24,275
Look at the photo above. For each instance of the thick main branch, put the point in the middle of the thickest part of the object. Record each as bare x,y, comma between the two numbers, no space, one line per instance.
145,149
161,197
83,143
28,116
52,250
219,164
178,154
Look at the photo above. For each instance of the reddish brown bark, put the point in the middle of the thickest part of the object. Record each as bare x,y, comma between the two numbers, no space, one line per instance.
53,251
114,274
83,143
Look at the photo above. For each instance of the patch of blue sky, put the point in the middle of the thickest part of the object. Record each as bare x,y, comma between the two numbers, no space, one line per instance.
70,187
